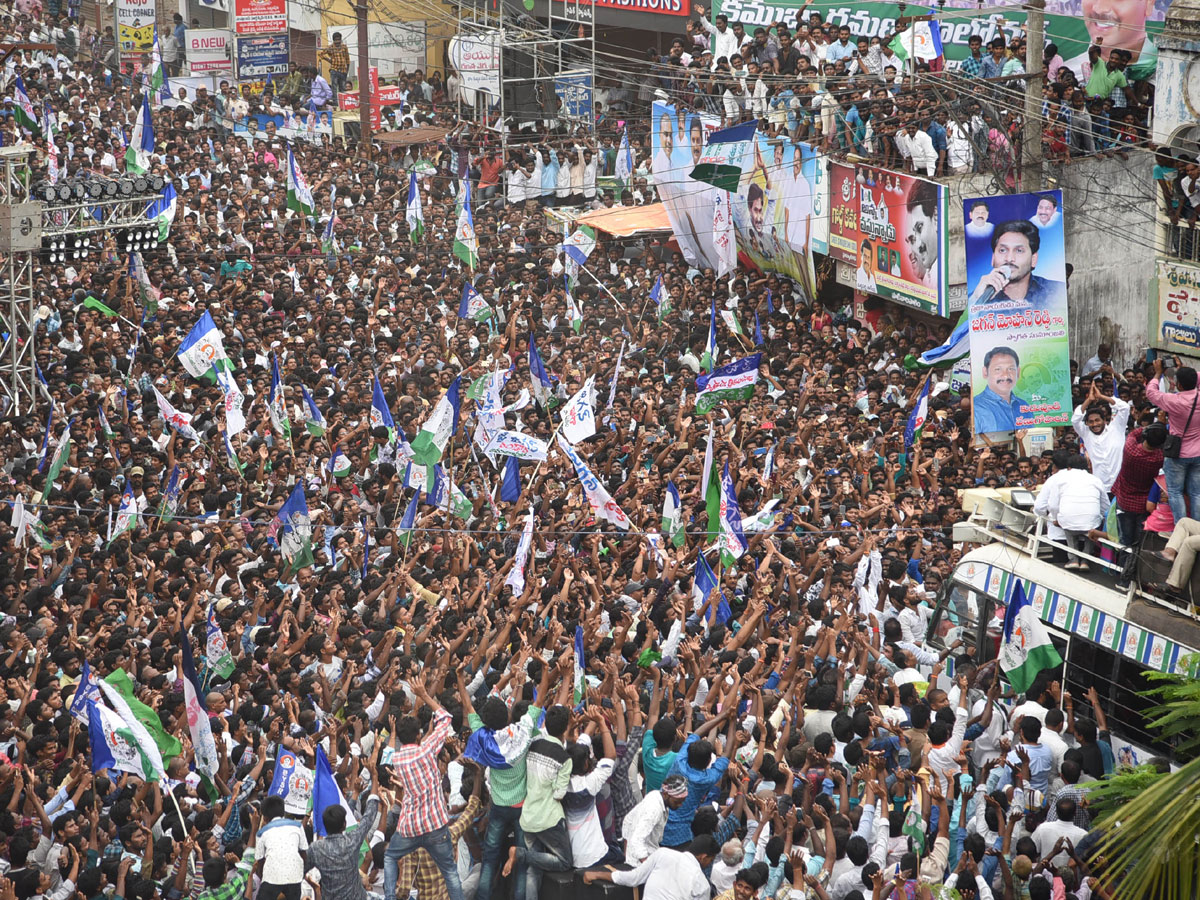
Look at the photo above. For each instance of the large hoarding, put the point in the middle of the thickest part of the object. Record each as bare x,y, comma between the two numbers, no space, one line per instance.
1017,303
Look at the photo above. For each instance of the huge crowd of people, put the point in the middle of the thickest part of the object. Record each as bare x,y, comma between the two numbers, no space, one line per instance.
787,733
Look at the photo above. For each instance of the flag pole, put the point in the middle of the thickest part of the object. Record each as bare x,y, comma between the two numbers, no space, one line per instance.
583,267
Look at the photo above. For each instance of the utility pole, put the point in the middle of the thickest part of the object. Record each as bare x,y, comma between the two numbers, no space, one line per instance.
364,80
1031,141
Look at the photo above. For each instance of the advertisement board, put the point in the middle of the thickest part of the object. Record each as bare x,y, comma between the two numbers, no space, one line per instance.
1072,25
843,214
574,92
476,57
1017,304
258,57
208,50
260,16
1177,329
135,26
892,228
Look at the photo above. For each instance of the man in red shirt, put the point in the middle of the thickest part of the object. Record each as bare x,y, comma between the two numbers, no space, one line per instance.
490,167
1140,463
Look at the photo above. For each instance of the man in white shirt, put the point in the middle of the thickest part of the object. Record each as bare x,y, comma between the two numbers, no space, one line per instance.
668,874
642,827
724,41
945,742
1047,834
1075,500
1100,423
281,844
916,146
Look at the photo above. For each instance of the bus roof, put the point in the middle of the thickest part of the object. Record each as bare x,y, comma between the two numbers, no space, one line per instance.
1085,606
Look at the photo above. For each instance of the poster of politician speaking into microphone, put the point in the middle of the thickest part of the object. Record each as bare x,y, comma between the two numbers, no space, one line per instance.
1017,303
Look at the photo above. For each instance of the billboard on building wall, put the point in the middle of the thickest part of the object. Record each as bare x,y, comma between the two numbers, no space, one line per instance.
260,16
1177,321
135,26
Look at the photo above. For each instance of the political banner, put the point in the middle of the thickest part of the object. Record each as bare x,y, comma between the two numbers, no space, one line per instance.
258,57
293,781
1017,306
574,92
518,444
1177,327
843,213
773,213
1072,25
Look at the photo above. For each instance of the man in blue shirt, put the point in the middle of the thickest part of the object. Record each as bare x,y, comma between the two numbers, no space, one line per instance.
841,48
993,65
996,406
180,30
937,134
695,763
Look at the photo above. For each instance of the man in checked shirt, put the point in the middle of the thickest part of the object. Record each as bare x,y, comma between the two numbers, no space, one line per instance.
337,55
423,812
418,870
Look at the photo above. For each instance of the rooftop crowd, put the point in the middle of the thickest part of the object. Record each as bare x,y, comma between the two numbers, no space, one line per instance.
788,733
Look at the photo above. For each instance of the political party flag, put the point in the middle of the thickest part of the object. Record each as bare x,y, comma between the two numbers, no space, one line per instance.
23,110
99,306
118,693
498,749
216,649
381,415
147,292
203,349
49,129
769,463
728,383
105,428
163,210
25,522
127,514
204,747
280,423
445,495
413,214
510,482
912,827
672,516
758,338
328,243
732,541
313,420
466,244
293,781
517,444
516,575
727,156
612,385
708,484
88,689
235,419
604,507
366,555
51,161
623,168
574,310
180,421
473,306
709,358
404,531
578,419
957,346
299,194
339,464
43,454
661,298
922,40
770,305
1026,648
579,679
160,85
916,419
326,793
115,746
704,582
61,453
141,144
723,235
292,528
231,454
580,244
430,442
540,382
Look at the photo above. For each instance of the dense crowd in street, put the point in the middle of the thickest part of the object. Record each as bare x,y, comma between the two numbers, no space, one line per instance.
506,683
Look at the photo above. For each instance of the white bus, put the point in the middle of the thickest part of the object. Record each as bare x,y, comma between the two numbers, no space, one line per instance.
1108,637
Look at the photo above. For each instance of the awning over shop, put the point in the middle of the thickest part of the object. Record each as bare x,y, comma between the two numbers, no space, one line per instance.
422,134
627,221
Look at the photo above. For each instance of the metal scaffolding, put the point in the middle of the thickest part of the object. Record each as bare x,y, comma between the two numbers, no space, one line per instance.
24,223
547,63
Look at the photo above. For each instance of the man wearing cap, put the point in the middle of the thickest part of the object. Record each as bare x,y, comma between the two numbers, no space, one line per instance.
643,827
